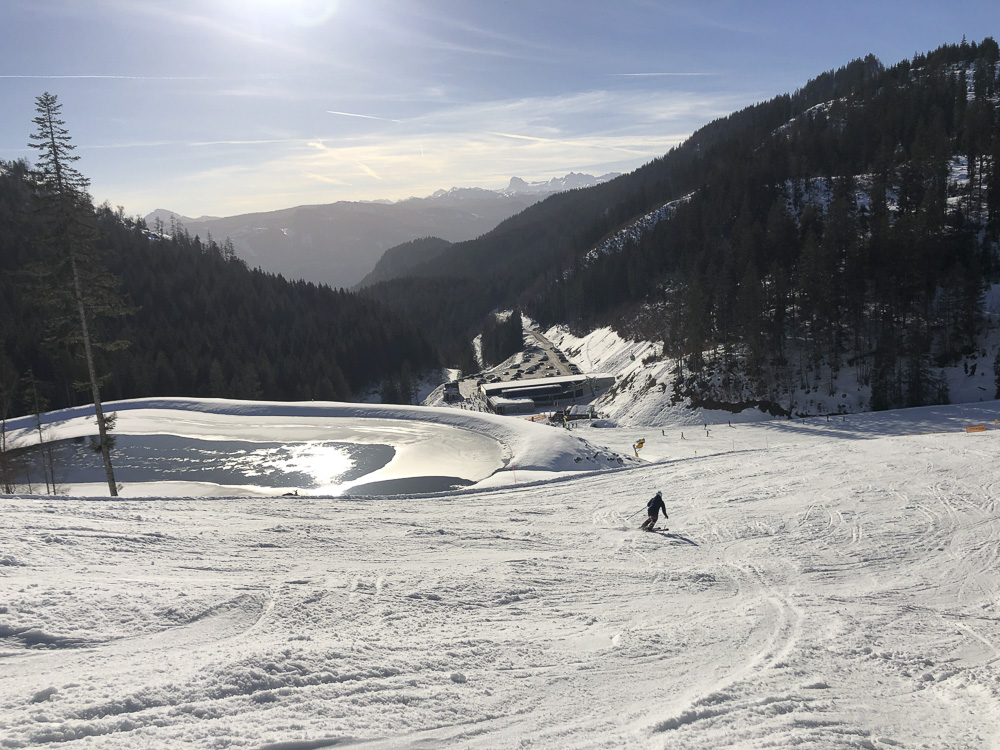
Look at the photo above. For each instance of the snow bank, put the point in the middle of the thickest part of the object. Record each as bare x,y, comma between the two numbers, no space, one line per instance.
428,441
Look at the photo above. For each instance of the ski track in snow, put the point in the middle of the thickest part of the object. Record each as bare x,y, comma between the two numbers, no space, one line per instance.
840,589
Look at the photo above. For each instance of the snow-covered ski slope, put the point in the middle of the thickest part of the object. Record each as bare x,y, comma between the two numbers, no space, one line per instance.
824,585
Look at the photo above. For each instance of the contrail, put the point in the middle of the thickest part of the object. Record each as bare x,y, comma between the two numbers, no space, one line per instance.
365,117
527,137
192,144
577,144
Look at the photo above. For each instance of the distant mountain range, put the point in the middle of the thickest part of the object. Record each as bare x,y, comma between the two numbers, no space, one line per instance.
339,243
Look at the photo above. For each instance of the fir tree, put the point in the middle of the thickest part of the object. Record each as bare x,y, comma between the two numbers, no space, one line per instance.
75,285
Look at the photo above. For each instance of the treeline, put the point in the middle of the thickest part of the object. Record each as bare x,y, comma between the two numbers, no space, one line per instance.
202,323
448,310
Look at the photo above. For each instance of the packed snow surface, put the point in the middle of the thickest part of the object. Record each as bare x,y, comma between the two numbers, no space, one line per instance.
823,584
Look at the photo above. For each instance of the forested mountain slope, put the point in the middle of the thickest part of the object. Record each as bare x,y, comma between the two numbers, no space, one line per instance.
203,324
400,260
852,223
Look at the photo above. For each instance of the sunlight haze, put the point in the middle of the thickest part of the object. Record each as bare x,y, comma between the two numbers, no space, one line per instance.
220,107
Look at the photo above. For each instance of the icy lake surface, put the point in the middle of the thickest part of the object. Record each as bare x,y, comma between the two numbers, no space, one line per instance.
224,449
311,465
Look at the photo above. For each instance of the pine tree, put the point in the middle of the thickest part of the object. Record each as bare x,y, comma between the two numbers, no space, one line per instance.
390,391
76,285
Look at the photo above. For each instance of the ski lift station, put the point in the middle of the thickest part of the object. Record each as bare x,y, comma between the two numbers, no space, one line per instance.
524,396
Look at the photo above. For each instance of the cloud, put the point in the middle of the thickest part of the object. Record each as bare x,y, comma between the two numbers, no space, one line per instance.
585,115
418,164
474,145
326,179
369,171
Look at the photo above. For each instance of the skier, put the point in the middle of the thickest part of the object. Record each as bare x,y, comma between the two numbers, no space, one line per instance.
653,507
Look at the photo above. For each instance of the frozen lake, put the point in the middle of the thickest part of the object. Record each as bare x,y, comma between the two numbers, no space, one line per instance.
313,465
239,450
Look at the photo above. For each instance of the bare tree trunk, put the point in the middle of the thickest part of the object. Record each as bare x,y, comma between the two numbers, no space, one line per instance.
92,373
49,487
6,472
45,453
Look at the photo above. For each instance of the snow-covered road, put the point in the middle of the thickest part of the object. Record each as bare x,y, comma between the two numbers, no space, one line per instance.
840,589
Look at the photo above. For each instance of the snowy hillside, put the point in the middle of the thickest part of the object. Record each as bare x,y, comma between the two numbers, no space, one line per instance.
634,230
823,585
645,394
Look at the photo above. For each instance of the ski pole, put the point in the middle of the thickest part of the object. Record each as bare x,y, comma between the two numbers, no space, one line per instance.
636,513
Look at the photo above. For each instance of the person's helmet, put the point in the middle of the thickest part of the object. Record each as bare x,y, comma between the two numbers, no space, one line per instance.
659,494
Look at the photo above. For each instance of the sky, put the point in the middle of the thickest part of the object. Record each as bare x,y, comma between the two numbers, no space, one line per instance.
223,107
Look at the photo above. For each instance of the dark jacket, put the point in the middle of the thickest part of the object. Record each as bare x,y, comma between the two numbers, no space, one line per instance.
655,505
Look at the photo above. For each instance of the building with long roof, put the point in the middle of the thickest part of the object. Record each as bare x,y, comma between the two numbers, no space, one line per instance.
512,396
